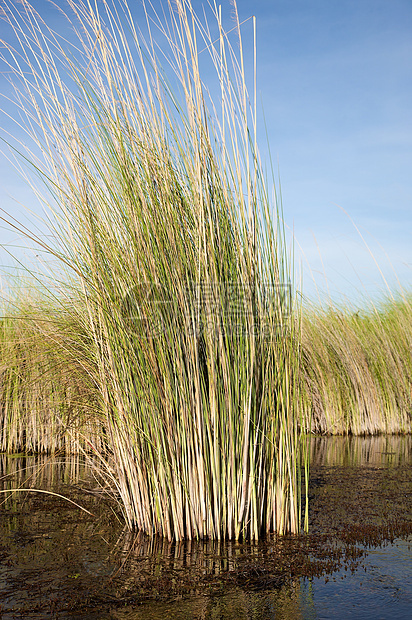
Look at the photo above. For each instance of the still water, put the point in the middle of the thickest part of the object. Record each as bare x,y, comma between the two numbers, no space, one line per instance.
57,561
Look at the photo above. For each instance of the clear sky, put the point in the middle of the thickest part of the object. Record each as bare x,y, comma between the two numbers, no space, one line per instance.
335,80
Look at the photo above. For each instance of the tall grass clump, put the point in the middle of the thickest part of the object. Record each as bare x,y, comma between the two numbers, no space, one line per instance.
358,368
169,233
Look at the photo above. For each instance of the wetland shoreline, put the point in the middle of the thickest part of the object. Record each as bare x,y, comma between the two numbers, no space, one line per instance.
58,562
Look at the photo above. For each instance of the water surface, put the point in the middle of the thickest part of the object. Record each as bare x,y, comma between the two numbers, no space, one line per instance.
59,562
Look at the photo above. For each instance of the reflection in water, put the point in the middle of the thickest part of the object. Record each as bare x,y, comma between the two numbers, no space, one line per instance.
194,558
377,451
57,562
285,603
43,472
383,590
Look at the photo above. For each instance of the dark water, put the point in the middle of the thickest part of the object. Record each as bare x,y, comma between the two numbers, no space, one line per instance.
57,561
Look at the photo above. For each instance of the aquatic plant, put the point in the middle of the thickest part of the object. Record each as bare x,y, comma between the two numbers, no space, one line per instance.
174,249
358,368
48,398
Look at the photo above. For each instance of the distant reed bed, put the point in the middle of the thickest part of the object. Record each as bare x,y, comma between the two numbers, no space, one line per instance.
173,330
48,395
357,368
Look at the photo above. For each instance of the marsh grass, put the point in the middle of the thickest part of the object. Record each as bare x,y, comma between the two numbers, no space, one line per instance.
47,392
358,368
173,243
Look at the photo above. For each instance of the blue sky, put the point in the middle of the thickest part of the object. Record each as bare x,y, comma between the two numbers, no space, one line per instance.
338,105
335,79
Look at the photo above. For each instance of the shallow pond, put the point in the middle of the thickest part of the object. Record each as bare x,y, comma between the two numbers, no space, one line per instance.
57,561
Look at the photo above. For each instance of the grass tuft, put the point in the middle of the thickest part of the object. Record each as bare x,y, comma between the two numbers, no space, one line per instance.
175,261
